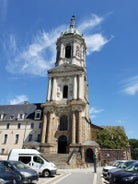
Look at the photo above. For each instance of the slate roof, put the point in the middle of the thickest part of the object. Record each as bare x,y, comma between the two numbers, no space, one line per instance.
13,110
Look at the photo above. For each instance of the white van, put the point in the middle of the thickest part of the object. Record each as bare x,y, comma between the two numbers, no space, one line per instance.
35,160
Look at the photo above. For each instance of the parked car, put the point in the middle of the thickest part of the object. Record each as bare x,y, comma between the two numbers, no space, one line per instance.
26,174
34,159
109,167
128,176
7,176
121,166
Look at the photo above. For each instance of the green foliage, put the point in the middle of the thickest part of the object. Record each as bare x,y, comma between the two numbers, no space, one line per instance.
134,148
112,138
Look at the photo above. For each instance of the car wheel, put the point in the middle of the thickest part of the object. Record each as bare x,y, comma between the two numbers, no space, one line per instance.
46,173
136,182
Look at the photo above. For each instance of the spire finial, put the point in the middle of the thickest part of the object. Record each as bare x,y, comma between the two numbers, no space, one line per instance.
72,22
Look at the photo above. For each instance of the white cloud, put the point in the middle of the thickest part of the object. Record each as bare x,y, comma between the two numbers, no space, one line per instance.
39,55
130,86
18,99
94,111
95,42
90,23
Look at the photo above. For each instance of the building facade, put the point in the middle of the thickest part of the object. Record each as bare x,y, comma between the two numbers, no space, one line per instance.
66,122
20,126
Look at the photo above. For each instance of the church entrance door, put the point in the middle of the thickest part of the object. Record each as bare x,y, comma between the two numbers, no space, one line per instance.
62,144
89,156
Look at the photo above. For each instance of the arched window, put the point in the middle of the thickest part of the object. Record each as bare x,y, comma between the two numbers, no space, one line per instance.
65,92
63,123
68,51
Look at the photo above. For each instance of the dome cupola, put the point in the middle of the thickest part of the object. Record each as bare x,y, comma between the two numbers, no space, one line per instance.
72,28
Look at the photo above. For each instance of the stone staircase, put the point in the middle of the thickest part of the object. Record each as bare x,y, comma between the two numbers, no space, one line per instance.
60,160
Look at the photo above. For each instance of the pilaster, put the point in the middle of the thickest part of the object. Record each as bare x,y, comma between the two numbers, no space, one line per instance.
73,128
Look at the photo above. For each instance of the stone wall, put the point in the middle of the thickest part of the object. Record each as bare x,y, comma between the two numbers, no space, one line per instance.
106,156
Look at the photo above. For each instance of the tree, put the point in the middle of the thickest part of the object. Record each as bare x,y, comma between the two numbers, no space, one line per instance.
112,138
134,148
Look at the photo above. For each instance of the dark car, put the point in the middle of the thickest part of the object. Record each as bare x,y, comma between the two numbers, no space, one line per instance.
107,168
128,176
27,174
7,176
121,166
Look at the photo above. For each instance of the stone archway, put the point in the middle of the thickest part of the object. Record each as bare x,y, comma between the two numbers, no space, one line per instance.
89,156
62,144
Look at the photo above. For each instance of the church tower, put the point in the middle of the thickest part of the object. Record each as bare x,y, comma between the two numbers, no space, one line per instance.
66,122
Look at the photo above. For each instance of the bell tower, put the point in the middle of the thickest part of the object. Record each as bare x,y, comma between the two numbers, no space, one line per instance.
66,122
71,47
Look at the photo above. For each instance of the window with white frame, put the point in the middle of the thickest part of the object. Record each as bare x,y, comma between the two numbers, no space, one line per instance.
32,125
5,138
30,138
8,125
12,117
38,137
16,138
1,116
40,125
21,116
19,125
2,151
37,114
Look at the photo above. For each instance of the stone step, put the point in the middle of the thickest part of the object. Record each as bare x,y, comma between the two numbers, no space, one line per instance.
60,160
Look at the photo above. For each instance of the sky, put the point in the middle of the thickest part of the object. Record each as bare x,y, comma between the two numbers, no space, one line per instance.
28,33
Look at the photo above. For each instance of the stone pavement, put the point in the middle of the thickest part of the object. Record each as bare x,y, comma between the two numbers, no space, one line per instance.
62,173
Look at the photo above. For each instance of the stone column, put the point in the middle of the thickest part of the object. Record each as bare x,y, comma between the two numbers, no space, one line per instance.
62,51
49,128
73,128
54,89
80,128
43,136
80,87
75,88
49,90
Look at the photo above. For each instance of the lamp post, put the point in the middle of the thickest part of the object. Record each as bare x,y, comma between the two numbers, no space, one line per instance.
94,162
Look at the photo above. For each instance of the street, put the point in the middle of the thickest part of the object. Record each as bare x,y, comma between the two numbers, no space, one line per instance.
80,178
69,176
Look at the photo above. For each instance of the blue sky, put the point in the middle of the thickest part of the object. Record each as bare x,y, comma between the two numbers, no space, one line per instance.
28,33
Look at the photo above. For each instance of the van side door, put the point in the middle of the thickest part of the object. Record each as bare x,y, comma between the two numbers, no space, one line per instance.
37,163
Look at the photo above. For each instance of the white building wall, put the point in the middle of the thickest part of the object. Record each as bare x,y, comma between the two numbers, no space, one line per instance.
23,133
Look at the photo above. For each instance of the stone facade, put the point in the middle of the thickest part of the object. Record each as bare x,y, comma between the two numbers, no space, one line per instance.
66,121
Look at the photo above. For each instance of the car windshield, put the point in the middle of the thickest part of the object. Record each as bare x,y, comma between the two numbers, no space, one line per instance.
116,164
126,164
3,168
133,167
19,165
44,158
